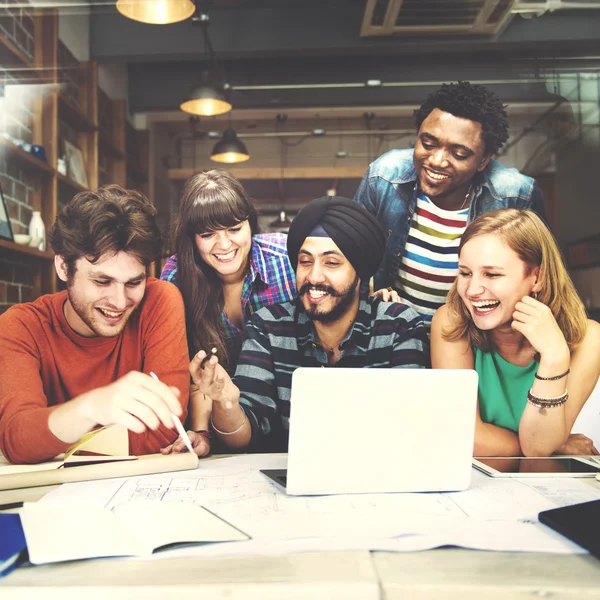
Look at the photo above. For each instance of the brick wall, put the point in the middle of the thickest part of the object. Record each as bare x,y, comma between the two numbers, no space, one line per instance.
16,276
17,273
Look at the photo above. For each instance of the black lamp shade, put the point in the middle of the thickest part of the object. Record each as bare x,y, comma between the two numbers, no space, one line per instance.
230,149
206,99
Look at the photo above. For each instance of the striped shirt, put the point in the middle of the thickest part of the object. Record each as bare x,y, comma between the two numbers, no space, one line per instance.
430,261
270,280
281,338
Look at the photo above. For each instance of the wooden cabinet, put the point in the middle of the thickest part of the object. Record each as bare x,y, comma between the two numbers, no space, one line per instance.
53,100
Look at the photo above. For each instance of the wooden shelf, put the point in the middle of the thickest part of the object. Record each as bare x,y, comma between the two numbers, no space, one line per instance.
269,173
25,159
68,112
12,55
68,182
73,116
23,249
108,147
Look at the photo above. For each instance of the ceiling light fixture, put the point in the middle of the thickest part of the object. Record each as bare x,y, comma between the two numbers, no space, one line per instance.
280,224
208,97
230,149
156,12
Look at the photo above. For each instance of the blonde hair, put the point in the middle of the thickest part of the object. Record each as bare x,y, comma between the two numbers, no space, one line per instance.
524,233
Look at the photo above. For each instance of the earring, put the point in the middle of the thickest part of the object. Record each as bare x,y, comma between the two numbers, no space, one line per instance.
534,295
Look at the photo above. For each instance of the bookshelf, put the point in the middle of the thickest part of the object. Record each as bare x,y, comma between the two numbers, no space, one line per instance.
71,108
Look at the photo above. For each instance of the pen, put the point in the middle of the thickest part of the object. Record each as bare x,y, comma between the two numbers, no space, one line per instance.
178,425
11,505
208,357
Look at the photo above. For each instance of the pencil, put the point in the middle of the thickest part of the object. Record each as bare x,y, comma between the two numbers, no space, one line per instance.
213,352
11,505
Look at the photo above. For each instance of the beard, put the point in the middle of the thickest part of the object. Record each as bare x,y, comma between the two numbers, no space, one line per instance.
345,299
86,314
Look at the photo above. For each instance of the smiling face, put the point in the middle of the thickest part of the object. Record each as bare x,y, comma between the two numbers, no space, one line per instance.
448,153
327,283
492,279
226,250
102,296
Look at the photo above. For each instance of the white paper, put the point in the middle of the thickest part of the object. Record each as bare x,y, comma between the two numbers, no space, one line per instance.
494,514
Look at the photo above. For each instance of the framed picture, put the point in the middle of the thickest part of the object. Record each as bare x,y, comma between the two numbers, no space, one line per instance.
5,228
75,164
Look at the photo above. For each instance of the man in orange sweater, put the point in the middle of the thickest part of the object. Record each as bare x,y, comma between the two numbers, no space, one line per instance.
81,358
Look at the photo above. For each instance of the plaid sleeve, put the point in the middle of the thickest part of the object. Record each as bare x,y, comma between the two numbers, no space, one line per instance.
169,272
255,377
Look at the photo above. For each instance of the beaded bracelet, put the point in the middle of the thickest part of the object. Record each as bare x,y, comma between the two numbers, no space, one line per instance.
212,424
541,402
553,378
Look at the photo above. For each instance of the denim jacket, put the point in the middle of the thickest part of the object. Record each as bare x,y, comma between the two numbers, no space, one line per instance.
389,192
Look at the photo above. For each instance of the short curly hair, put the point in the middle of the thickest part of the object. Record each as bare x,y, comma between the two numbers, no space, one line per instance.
473,102
106,221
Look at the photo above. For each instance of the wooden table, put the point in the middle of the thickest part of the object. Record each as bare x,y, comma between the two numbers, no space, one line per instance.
443,573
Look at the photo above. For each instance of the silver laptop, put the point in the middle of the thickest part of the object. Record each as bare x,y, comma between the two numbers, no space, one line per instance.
380,430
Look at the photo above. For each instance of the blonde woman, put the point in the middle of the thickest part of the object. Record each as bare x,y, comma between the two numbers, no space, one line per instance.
514,316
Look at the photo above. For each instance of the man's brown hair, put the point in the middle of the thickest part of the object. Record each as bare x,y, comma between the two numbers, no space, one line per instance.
106,221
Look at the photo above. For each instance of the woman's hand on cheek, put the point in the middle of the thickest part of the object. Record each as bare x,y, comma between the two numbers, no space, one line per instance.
536,322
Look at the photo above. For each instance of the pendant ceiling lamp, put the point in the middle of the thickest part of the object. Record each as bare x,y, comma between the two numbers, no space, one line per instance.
230,149
156,12
281,224
207,98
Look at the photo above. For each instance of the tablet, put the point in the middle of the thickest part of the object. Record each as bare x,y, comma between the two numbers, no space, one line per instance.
579,522
553,466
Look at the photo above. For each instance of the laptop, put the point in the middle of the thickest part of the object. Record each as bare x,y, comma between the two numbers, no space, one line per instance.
379,430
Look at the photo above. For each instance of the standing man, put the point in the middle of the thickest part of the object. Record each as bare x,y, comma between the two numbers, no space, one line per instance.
80,358
424,198
333,245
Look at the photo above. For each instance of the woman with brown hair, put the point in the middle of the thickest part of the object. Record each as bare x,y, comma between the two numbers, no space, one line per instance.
514,316
225,272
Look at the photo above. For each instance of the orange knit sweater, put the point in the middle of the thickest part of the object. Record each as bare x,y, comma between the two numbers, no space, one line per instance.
43,363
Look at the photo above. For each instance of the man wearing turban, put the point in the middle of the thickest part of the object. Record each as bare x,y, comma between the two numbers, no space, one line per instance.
334,244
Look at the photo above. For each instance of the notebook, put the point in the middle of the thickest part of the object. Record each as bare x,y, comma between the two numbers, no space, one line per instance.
57,533
100,454
379,430
12,542
579,522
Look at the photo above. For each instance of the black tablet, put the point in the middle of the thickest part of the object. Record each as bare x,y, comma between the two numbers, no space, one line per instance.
553,466
579,522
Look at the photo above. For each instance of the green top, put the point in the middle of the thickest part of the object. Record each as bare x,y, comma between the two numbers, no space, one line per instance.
503,389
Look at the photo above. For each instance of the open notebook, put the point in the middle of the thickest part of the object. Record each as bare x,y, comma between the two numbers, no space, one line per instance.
138,528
